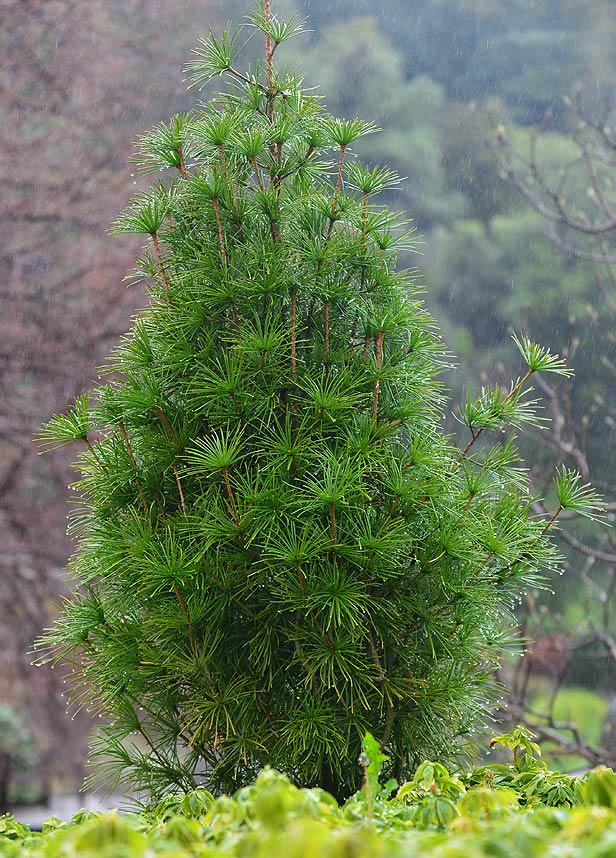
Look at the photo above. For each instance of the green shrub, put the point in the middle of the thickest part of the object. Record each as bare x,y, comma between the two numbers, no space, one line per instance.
278,547
436,814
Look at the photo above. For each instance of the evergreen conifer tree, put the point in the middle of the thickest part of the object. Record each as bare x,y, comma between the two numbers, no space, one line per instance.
277,546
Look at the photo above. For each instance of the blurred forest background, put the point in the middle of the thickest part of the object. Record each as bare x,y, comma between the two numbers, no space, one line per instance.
498,112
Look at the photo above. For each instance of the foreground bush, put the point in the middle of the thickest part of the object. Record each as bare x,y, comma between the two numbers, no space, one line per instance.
279,548
520,810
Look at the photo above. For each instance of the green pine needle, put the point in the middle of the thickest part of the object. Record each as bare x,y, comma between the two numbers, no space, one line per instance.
146,213
63,429
581,499
540,359
214,58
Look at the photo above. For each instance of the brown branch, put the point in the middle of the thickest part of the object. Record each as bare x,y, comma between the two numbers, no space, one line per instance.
340,169
602,284
166,424
389,723
552,519
298,167
235,400
557,215
374,655
555,437
269,55
179,485
587,550
607,640
174,438
241,605
588,255
600,128
354,326
223,160
134,464
221,236
294,334
326,322
577,746
364,226
230,496
234,316
596,186
186,613
163,273
332,524
379,362
182,164
257,172
95,455
364,215
336,191
242,77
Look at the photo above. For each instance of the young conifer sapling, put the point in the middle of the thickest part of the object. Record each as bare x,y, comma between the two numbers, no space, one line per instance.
278,549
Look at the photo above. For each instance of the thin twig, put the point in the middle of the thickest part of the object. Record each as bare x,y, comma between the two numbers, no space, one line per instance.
221,236
163,273
379,362
293,334
134,464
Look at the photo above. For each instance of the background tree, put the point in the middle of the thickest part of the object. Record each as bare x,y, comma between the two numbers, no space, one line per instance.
574,205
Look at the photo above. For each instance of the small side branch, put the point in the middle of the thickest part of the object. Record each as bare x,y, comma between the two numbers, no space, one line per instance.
255,167
326,322
294,334
179,485
340,169
161,267
230,497
129,450
513,392
332,524
379,363
367,342
94,454
174,438
336,190
221,237
182,164
166,424
269,54
552,519
364,229
300,578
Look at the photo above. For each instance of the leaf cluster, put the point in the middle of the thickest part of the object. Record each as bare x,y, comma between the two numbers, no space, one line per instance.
436,813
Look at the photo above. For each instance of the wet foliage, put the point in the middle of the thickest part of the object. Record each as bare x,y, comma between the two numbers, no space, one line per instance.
278,547
519,809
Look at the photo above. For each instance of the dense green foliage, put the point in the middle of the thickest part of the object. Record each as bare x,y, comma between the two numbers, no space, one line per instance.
517,810
278,547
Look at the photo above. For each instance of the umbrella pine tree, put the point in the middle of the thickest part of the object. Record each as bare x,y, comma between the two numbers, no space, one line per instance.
277,546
